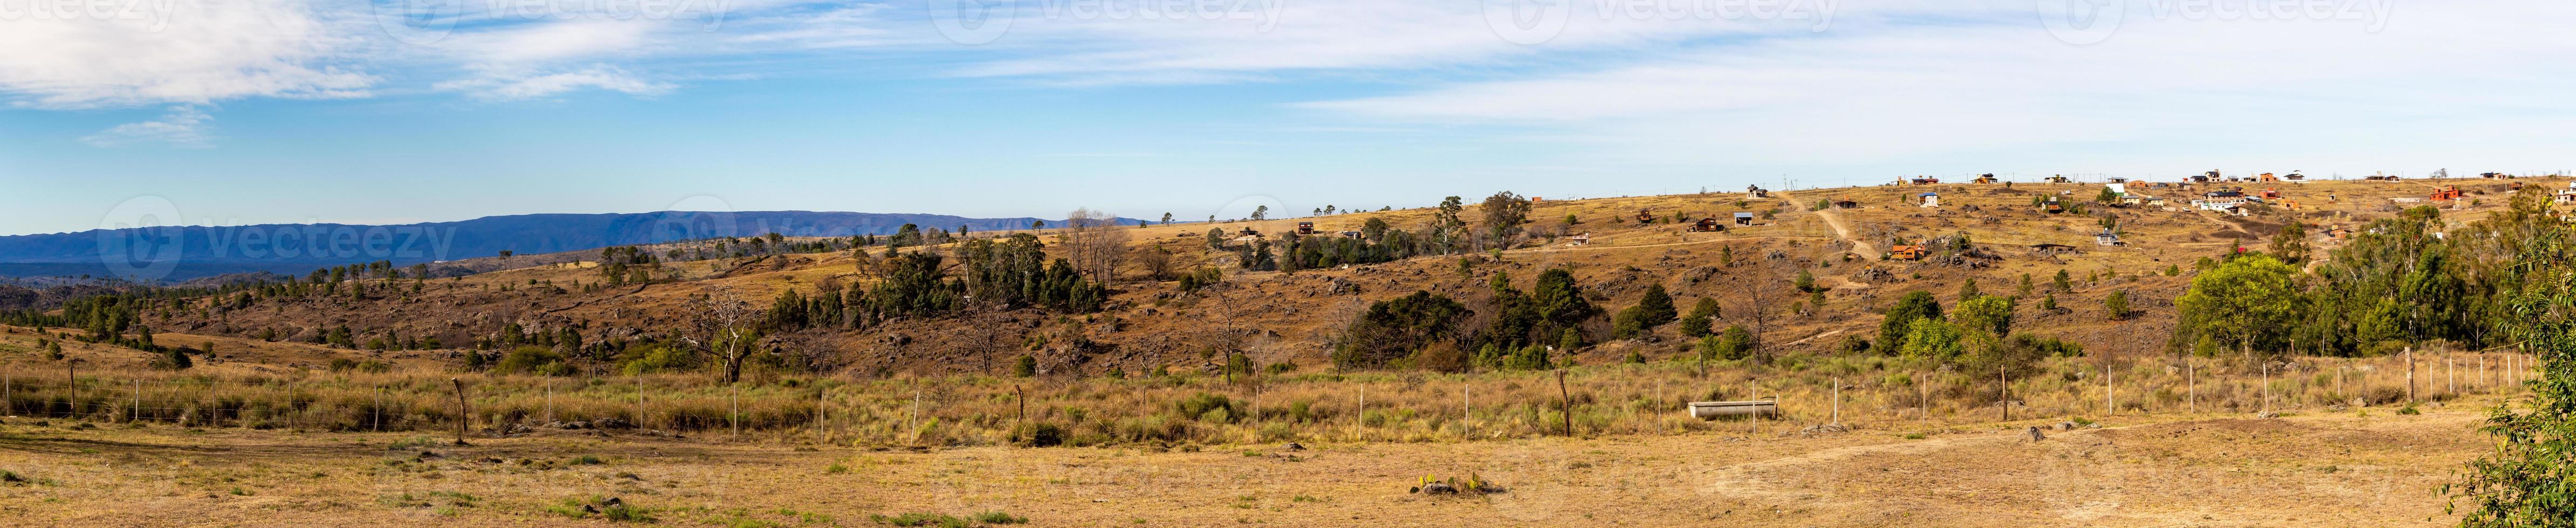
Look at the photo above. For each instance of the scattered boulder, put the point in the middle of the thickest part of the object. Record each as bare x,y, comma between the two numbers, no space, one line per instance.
1437,488
2035,435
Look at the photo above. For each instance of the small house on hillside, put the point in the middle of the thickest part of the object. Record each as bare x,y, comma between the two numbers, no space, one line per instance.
1930,199
2296,178
2338,232
2119,179
1986,178
1926,180
1742,219
1756,191
1845,203
1908,252
1706,225
2266,177
2059,178
1305,228
2446,193
1579,240
2107,238
1645,216
1248,232
2051,206
2052,249
2381,177
2206,177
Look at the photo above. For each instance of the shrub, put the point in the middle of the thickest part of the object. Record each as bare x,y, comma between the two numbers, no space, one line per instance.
1026,367
1206,407
1039,434
532,360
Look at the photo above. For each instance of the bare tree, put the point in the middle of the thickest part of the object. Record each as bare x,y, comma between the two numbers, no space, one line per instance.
1158,262
1752,307
1094,244
723,322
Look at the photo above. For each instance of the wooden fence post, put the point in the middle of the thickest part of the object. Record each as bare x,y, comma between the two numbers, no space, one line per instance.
2410,374
735,416
2005,384
1838,401
1567,398
138,399
462,413
1021,397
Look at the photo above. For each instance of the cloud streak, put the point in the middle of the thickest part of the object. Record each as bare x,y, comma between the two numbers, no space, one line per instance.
182,127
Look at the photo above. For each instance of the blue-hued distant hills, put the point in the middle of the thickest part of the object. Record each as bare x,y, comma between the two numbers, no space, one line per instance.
185,252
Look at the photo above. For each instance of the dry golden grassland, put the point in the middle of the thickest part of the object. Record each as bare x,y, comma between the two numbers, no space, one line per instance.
1926,447
2369,467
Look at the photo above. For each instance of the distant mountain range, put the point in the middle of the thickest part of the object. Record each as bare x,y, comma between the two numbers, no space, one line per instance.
187,252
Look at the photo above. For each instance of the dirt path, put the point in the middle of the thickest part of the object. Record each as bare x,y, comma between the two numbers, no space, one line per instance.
1836,221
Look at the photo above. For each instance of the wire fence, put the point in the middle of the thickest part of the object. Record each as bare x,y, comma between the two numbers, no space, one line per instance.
1372,406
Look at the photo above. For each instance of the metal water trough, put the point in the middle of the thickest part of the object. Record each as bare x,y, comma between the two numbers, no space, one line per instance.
1719,409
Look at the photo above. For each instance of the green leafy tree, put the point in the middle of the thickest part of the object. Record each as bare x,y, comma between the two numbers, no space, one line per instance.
1990,315
1893,330
1933,339
1397,328
2291,245
1703,314
1559,302
2117,304
1806,282
1652,311
2243,305
2529,479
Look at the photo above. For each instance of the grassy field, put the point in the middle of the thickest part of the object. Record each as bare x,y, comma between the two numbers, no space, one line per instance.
2368,467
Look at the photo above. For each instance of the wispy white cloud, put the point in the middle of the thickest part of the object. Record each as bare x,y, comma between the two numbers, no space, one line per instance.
91,54
517,86
184,126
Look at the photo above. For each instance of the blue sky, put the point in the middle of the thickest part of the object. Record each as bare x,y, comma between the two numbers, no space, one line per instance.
259,111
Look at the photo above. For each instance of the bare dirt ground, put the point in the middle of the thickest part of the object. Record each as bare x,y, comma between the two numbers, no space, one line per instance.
2367,468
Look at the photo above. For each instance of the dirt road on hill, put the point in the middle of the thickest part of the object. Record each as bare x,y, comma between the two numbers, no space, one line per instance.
1859,247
